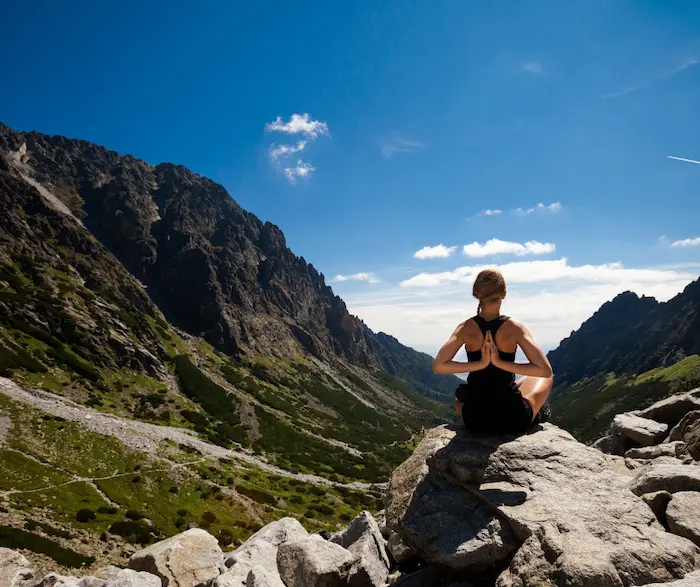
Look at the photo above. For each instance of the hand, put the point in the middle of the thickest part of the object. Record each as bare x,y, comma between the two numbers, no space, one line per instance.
495,359
485,355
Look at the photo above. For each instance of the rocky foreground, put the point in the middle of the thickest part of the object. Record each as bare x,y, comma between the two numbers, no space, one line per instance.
539,510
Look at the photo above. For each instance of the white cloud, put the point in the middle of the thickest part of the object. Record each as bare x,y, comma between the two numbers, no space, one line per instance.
282,155
692,62
436,252
497,247
551,297
688,242
302,169
534,67
277,151
363,276
299,123
395,143
682,159
495,212
554,207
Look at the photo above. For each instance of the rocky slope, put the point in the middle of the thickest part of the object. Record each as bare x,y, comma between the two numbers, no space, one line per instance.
631,335
185,238
538,510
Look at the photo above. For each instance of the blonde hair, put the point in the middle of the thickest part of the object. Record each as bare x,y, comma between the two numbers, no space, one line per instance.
489,285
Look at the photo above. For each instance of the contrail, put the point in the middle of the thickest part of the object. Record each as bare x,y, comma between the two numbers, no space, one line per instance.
686,160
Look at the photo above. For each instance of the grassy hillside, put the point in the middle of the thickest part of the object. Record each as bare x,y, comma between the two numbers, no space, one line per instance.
586,408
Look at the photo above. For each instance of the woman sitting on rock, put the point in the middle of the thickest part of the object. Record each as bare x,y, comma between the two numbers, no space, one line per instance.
491,400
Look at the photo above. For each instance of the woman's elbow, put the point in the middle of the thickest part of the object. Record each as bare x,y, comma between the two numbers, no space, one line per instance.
548,373
437,367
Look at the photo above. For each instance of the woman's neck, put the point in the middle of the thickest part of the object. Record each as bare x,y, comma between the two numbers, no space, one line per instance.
491,313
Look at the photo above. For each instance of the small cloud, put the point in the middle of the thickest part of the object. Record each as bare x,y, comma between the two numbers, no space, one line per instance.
554,207
302,169
396,143
495,212
533,67
688,242
277,151
368,277
282,155
681,159
497,247
436,252
299,123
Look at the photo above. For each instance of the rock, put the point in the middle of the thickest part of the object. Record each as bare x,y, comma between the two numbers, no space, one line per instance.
399,551
236,577
426,577
690,580
281,531
15,570
261,578
97,582
671,410
637,429
56,580
108,572
688,430
380,518
666,477
313,562
131,578
254,554
364,540
554,506
658,501
189,559
671,449
683,515
603,444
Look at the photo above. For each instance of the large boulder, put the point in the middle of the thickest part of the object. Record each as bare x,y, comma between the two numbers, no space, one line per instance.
189,559
283,530
363,538
15,570
669,449
690,580
671,410
313,562
262,578
683,515
258,554
666,477
544,507
400,552
688,430
641,431
56,580
131,578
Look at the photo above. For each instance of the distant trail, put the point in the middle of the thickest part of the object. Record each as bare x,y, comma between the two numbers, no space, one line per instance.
146,438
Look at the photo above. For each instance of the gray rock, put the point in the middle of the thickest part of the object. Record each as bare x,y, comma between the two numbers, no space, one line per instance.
56,580
658,501
603,444
236,577
92,581
257,553
189,559
683,515
640,430
671,410
690,580
666,477
261,578
555,504
15,570
313,562
380,518
671,449
108,572
364,540
130,578
688,430
399,551
281,531
426,577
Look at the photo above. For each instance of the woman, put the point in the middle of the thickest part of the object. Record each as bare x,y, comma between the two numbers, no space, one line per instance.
491,400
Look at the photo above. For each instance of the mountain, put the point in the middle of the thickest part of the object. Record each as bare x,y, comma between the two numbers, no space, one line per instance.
631,352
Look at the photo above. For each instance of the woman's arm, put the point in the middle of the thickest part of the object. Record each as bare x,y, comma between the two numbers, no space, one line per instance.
443,363
538,365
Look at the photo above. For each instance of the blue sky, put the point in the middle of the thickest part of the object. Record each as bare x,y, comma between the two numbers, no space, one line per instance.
421,115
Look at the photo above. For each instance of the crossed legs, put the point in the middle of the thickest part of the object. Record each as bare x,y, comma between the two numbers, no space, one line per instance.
535,390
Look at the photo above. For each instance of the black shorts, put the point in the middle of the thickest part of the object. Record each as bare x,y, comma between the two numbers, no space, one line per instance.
495,411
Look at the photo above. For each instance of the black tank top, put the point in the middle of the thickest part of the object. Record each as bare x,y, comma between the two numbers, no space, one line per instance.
491,377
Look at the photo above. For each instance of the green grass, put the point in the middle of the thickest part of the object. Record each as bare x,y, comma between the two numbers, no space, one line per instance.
19,472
